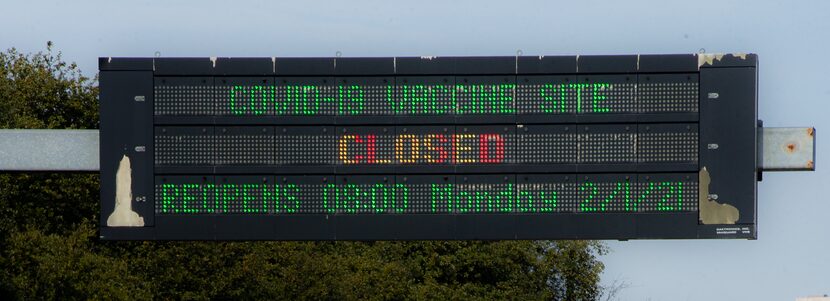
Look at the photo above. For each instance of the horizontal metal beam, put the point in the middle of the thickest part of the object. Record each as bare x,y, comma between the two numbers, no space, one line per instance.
49,150
781,149
787,149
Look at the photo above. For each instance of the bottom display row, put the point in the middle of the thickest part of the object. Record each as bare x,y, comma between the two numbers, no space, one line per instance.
426,194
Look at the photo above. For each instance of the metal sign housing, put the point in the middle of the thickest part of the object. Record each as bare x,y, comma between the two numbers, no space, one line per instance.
404,148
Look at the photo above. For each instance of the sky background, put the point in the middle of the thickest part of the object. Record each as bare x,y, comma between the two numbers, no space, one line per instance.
791,257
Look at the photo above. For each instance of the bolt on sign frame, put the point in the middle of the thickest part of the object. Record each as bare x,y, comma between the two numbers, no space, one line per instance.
440,148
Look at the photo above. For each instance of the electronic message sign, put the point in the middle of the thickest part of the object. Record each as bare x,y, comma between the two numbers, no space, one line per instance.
547,147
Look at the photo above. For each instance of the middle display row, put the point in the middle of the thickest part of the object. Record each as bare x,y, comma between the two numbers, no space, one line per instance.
426,145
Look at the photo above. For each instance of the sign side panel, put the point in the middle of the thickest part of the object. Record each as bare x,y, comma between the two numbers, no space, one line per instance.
728,149
126,134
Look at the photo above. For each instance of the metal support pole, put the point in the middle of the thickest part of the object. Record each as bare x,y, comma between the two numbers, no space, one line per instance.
49,150
781,149
787,149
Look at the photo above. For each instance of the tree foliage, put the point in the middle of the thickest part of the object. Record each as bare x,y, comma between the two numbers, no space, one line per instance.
49,247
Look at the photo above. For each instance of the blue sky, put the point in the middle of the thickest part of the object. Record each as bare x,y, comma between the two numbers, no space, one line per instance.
789,259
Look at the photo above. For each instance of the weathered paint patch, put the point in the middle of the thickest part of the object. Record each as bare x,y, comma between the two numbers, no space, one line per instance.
123,215
712,212
710,58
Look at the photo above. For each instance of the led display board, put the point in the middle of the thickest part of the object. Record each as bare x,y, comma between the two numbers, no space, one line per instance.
550,147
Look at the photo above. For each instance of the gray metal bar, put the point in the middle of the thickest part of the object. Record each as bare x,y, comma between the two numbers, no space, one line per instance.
49,150
781,149
787,149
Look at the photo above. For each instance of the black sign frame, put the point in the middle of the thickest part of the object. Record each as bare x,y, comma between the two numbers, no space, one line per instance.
727,155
